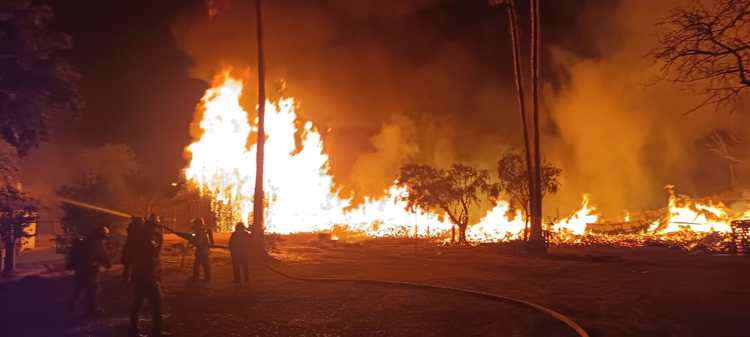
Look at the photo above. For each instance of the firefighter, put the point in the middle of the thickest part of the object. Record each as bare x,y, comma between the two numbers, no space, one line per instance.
146,276
129,249
202,243
86,257
239,246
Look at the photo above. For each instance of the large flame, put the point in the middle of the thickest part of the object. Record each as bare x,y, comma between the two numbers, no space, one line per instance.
302,198
299,190
221,165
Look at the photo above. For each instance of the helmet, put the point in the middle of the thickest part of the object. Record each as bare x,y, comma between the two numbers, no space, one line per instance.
100,232
240,227
153,218
199,223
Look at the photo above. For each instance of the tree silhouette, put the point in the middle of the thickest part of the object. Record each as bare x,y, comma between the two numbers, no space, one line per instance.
513,181
36,81
107,176
17,211
707,49
452,192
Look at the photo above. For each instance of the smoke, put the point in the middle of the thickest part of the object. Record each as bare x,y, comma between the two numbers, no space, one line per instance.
620,135
384,82
393,145
59,164
429,81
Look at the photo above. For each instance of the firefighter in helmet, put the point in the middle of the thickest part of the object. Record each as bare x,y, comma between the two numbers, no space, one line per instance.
202,243
146,276
86,257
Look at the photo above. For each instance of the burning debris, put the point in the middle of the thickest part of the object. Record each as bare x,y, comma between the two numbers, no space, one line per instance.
302,197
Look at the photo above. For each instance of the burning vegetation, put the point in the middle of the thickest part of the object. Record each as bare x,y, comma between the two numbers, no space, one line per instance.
302,197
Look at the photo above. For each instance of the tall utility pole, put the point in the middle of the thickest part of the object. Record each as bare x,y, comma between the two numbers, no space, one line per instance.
536,195
258,201
513,28
510,8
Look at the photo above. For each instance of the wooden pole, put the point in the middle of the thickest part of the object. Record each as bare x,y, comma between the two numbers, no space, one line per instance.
521,96
536,195
258,201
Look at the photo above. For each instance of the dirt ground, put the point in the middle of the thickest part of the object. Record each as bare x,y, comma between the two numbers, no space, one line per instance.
609,291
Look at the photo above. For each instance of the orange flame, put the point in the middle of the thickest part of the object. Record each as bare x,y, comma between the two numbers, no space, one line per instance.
302,198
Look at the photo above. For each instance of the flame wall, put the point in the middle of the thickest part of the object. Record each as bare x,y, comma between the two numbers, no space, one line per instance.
412,81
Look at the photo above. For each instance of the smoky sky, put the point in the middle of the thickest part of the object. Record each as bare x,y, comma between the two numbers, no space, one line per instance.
390,82
349,59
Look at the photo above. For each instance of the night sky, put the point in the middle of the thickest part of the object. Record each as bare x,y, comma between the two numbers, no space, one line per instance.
135,81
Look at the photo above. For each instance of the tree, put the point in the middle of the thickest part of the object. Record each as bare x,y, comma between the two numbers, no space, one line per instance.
707,49
36,81
452,192
77,220
258,200
720,143
512,175
17,211
8,163
106,177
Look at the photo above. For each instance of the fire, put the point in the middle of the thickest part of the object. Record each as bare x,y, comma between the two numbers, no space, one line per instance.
302,197
220,161
299,190
497,225
686,214
577,223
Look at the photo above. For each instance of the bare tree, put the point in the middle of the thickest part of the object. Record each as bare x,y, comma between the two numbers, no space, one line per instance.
707,49
718,145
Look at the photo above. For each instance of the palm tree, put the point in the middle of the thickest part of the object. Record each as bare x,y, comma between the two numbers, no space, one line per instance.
258,201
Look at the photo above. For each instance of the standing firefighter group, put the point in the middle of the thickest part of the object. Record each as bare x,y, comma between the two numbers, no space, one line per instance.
141,259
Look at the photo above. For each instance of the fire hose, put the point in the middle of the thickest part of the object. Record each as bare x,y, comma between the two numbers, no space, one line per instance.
475,293
480,294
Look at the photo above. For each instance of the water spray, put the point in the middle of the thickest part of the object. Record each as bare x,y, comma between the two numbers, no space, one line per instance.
95,208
